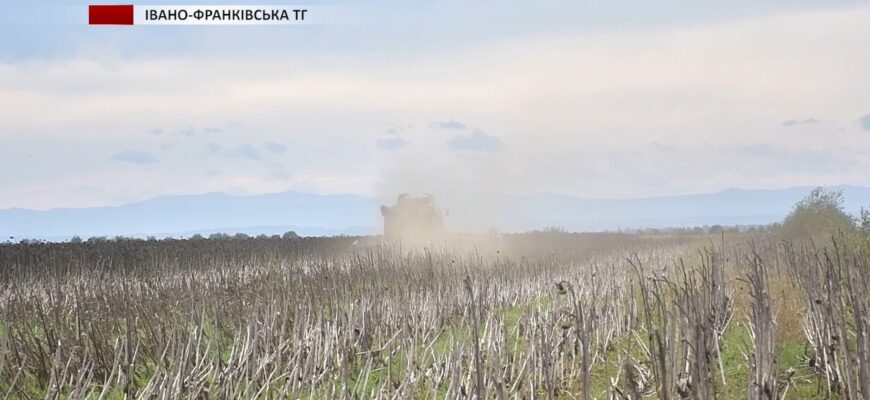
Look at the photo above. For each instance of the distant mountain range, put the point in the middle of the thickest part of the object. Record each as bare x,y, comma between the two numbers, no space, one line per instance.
318,215
727,207
307,214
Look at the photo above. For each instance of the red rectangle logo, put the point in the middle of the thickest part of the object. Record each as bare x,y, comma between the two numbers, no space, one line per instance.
116,14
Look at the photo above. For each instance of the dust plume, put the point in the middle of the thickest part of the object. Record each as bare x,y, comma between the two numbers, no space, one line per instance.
468,188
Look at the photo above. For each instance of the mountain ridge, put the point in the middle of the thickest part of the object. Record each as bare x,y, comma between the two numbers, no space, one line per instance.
329,214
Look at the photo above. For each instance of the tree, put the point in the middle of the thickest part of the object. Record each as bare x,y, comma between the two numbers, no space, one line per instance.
197,237
97,239
290,235
865,221
76,239
817,217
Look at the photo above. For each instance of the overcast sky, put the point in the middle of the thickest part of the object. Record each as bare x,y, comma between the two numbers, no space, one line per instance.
595,99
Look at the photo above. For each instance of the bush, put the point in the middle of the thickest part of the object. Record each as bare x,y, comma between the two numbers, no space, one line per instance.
817,217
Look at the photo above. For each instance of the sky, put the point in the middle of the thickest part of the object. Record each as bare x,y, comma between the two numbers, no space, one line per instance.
615,99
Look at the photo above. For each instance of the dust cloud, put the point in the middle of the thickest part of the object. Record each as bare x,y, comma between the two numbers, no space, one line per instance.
469,188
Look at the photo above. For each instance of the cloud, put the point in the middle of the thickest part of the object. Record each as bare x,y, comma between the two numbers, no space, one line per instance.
696,89
244,151
476,141
452,124
794,122
392,143
865,122
214,148
397,129
135,157
761,150
185,132
275,148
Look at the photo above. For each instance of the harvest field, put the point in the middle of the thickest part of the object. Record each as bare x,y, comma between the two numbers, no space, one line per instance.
767,314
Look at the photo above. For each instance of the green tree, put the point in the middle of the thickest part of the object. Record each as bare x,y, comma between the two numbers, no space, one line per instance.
865,221
817,217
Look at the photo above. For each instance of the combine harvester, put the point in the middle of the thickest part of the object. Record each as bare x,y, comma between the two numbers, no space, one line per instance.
414,219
